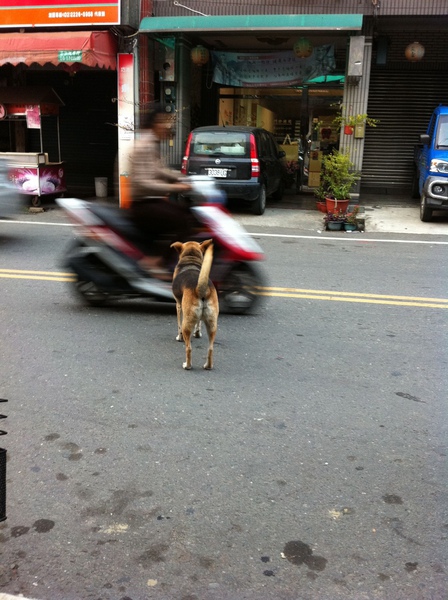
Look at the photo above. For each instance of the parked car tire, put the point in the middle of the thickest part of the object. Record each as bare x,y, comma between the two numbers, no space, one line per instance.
415,191
259,206
425,212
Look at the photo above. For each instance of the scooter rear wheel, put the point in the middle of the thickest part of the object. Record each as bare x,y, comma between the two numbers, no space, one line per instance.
90,293
239,292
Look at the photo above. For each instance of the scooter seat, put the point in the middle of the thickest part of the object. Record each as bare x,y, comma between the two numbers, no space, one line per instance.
117,220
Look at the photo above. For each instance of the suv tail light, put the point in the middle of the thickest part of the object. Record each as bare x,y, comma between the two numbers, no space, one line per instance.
184,167
254,162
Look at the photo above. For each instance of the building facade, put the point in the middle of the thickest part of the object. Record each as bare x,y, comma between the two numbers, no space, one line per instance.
374,72
369,71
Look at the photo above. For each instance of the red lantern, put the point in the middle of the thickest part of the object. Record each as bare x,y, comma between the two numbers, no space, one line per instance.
199,55
414,52
303,48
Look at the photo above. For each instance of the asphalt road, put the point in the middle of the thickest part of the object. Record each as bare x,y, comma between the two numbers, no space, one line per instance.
309,464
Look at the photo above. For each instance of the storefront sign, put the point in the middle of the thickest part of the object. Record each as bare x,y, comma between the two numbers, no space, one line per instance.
271,69
70,56
56,13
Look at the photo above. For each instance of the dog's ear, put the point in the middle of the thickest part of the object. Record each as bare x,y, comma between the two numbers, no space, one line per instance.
205,244
177,246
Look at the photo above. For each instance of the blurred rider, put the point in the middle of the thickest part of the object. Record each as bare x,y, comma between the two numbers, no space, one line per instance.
151,184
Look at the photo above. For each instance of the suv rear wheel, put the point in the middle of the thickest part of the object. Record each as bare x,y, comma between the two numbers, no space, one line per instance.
259,206
425,212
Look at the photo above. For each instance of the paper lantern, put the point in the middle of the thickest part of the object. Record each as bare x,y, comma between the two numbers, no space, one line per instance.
199,56
414,52
303,48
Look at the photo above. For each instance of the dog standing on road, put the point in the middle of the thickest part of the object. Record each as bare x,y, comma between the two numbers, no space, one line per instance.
196,296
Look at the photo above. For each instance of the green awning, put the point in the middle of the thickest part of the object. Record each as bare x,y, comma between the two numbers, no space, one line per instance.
246,23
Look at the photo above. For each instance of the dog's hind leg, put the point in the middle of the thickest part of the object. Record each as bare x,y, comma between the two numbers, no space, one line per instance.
179,337
186,333
211,330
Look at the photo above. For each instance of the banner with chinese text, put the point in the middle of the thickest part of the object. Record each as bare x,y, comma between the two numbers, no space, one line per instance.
240,69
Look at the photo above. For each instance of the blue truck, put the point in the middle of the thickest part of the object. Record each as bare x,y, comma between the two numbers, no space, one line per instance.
431,165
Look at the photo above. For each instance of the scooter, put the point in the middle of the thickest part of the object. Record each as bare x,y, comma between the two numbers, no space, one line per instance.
107,248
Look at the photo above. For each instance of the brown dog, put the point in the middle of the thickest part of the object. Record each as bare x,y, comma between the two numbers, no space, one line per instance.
196,296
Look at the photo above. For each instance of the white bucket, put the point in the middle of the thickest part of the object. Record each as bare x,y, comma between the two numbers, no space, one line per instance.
101,187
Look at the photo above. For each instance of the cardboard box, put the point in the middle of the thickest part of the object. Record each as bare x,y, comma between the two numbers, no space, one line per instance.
315,161
313,179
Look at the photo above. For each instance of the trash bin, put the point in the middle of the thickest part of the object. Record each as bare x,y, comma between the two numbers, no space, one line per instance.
101,187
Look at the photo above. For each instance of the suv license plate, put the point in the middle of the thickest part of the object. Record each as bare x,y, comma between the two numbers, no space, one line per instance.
217,172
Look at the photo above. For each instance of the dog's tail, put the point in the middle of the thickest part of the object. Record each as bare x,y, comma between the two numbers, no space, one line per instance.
204,275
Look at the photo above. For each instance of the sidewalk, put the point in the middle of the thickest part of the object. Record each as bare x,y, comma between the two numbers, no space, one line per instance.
383,213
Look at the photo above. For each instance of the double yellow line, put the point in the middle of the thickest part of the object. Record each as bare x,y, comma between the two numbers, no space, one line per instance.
277,292
353,297
40,275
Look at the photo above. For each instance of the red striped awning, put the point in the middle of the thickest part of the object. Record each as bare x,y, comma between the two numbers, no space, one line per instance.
90,48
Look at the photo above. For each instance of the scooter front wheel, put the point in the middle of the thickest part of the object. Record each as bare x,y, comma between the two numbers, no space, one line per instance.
239,292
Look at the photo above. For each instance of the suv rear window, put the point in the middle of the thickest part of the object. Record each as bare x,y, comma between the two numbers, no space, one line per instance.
220,143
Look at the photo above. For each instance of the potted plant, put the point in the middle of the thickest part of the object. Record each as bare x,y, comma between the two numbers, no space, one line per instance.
350,122
334,221
350,223
338,179
321,194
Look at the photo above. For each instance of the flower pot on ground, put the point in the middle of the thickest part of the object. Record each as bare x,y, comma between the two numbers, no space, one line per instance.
351,223
338,180
335,226
333,205
334,221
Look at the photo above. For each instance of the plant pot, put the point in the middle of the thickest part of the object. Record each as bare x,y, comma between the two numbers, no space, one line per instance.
350,226
322,206
335,206
348,129
335,225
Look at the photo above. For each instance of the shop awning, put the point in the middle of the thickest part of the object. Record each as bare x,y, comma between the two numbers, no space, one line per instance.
251,23
90,48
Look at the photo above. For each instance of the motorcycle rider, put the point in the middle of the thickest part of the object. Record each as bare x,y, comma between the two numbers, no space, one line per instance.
151,184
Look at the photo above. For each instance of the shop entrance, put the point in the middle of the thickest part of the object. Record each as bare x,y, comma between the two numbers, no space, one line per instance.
301,118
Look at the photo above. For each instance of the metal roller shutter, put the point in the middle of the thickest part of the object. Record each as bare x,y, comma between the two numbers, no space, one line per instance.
403,102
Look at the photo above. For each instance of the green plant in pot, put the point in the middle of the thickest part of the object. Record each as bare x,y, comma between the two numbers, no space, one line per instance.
334,220
351,223
338,179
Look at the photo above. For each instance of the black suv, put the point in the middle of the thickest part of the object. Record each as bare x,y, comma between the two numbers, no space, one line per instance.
247,162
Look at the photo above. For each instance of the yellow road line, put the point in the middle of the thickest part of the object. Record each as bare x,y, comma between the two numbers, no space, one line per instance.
354,294
35,272
36,275
359,299
277,292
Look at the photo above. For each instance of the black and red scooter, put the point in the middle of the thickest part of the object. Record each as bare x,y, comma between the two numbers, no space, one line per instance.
107,248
